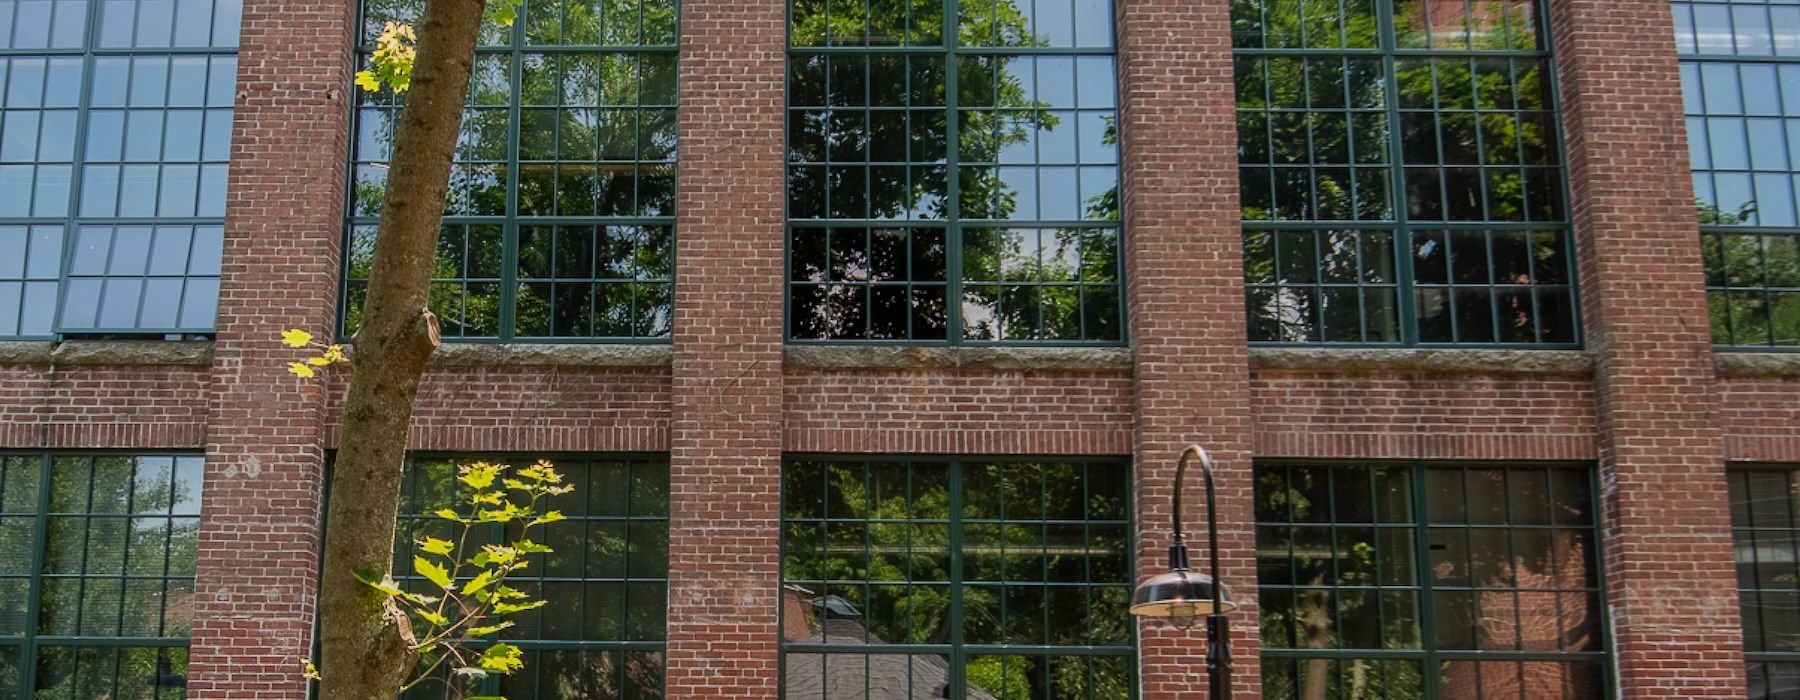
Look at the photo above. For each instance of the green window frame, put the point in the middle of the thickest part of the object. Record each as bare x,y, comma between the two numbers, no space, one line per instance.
601,633
1740,77
1401,174
958,578
1429,580
560,224
97,554
1765,529
953,187
115,134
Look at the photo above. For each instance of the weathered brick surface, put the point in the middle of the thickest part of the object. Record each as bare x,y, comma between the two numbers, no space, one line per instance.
725,446
958,412
157,407
1761,418
260,521
1666,532
1185,294
1423,416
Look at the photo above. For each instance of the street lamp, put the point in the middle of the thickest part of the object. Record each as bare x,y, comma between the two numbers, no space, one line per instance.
1181,595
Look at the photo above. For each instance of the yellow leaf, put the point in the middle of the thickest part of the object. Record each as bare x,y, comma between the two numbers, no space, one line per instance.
433,545
301,370
296,338
335,353
317,361
367,81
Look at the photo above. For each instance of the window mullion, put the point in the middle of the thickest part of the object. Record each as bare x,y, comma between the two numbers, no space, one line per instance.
957,680
1421,572
953,229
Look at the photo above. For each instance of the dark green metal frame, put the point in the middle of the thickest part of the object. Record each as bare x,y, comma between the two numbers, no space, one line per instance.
951,50
71,220
513,44
30,642
1746,535
957,651
1427,654
1391,54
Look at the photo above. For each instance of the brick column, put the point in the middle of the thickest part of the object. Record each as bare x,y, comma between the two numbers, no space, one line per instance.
1185,291
725,456
260,527
1671,589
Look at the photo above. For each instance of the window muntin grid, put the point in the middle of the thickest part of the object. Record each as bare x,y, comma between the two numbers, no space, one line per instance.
97,560
1765,531
1375,135
601,633
560,218
1741,89
1371,575
957,579
1002,132
114,114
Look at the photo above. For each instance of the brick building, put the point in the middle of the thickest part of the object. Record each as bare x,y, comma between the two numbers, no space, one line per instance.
879,392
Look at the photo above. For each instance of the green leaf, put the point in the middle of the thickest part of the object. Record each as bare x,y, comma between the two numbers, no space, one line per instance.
550,517
449,514
501,658
433,617
433,545
481,581
486,630
379,581
509,608
367,81
479,475
433,572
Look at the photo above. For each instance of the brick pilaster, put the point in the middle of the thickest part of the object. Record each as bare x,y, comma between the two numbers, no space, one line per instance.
725,456
1670,582
260,527
1185,291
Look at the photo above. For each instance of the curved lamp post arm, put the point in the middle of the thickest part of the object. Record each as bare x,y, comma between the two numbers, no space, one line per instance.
1218,647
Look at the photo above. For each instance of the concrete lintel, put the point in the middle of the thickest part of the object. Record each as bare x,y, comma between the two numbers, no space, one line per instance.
106,352
552,355
916,358
1436,361
1757,364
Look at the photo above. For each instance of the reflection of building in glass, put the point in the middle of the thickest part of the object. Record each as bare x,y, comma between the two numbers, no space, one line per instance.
869,331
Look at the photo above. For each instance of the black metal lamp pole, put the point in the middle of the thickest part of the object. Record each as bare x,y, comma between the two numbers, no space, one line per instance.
1178,594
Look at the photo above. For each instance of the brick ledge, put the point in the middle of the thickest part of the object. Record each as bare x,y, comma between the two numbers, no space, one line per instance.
1757,364
999,358
1428,360
552,355
106,352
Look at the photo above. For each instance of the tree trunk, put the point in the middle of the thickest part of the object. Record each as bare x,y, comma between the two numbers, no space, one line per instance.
363,655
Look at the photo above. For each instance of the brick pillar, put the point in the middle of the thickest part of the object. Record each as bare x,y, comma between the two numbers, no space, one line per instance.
259,533
1672,590
1185,291
725,453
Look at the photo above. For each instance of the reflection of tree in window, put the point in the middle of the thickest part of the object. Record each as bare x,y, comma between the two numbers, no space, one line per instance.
899,183
1350,135
561,205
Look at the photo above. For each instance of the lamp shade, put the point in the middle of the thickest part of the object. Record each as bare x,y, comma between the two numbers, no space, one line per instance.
1179,596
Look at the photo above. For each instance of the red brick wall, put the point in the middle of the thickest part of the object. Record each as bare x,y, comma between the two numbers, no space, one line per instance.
1422,416
958,412
260,525
533,409
1185,295
146,407
725,446
1661,451
1761,418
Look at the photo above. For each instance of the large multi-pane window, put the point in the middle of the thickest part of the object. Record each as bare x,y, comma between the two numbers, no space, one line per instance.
115,129
1765,525
600,634
1740,76
953,172
560,222
1401,173
1401,581
956,579
97,574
